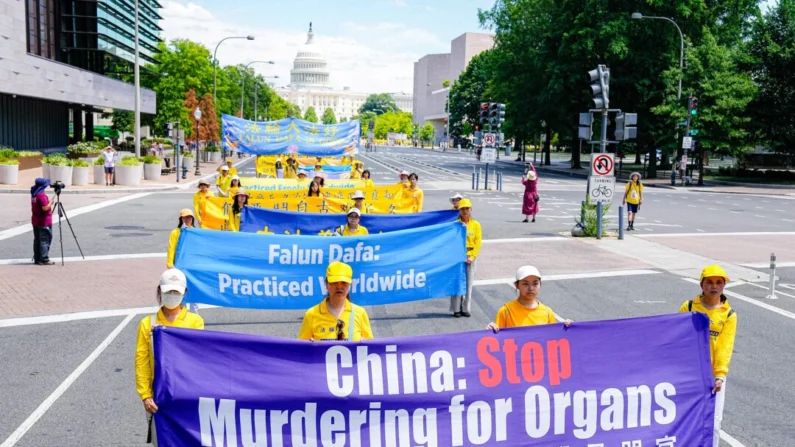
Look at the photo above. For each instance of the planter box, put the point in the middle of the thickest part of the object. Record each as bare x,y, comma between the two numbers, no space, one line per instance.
9,174
61,174
99,175
45,170
90,159
152,171
128,175
26,163
80,176
213,156
72,156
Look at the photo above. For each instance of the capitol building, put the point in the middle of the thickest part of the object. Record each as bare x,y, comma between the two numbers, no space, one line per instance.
309,86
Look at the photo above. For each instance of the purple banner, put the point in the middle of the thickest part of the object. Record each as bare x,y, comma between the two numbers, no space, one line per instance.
642,382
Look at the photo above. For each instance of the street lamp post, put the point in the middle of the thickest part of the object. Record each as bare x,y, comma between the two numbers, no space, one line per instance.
639,16
137,90
243,83
198,115
215,67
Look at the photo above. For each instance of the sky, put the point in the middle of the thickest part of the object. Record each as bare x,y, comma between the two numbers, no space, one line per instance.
370,46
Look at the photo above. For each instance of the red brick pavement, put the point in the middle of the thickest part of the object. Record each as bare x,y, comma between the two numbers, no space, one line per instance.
27,290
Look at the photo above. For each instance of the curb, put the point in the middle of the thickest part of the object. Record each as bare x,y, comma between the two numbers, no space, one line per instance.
177,186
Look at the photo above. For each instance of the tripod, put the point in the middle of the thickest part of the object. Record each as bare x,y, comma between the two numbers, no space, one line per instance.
62,212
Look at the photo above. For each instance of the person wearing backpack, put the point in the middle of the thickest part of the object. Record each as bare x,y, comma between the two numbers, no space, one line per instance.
722,329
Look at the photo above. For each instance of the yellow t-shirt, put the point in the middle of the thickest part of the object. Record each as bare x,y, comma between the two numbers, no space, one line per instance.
224,183
633,192
419,198
346,231
474,237
232,170
368,183
513,314
234,222
198,201
319,324
352,205
145,358
722,329
173,239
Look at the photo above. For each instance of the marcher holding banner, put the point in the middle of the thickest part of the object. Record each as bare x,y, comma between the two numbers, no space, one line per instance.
357,167
289,170
415,192
404,178
314,189
525,310
241,200
455,200
199,198
722,329
234,185
352,228
186,219
228,164
358,202
461,305
336,317
170,293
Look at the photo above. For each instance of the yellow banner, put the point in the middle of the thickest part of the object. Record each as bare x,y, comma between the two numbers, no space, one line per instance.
333,188
216,211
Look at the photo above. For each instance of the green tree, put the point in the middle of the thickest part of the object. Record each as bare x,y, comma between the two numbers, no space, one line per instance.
396,122
772,48
379,103
328,116
364,120
468,91
344,119
427,132
310,115
123,121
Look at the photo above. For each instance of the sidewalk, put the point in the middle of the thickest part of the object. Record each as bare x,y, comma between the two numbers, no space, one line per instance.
166,182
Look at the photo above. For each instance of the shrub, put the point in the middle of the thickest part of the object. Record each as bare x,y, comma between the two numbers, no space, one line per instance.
589,225
23,154
100,161
130,161
7,152
80,163
57,159
8,161
84,148
212,149
152,160
187,154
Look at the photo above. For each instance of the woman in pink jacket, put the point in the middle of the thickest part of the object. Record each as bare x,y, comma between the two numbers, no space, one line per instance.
530,199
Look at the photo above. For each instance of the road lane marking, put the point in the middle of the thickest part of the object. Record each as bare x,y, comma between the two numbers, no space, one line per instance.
748,300
765,265
50,400
22,229
568,276
778,292
88,258
750,233
730,440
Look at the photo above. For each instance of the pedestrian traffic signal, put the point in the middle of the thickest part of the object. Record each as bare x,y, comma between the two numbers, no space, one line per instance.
601,86
169,128
625,129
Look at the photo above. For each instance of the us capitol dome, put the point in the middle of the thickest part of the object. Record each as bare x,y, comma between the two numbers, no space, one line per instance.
309,86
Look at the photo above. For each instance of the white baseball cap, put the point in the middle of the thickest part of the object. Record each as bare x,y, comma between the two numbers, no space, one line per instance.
527,270
224,168
358,195
404,172
173,280
456,196
354,211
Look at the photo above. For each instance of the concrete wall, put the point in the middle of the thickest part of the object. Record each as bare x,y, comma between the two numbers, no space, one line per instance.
36,77
432,69
465,47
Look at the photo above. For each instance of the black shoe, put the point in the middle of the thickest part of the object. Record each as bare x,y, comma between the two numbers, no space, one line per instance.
47,262
629,227
457,314
465,314
534,220
525,221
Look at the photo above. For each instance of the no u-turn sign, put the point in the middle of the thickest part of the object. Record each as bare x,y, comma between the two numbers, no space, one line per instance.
603,164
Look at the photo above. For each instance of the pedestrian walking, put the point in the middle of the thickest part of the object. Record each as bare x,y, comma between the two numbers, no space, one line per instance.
722,329
186,219
633,198
240,201
336,318
41,221
352,227
460,306
530,199
170,293
109,159
199,198
416,193
525,310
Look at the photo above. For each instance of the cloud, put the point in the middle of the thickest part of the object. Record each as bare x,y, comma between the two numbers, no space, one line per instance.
375,57
401,3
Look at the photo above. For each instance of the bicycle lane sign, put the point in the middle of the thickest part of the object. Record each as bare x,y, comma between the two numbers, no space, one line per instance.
601,189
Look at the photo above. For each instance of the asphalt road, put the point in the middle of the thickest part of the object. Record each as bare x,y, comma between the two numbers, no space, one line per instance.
101,407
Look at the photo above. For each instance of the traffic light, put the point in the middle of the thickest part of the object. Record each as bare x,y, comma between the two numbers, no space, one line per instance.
625,126
169,128
484,113
494,114
500,114
601,86
693,105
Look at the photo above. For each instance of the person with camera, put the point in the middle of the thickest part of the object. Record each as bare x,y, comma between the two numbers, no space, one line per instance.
109,157
41,220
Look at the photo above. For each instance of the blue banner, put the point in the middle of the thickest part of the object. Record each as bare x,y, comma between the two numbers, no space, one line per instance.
290,136
256,271
255,219
601,383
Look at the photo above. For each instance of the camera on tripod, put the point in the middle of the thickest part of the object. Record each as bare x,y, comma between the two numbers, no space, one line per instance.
58,186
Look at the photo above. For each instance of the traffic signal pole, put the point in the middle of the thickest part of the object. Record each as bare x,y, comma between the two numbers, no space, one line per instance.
603,139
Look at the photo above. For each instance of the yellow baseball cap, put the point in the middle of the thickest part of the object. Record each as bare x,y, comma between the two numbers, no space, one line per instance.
714,270
229,159
339,272
186,212
464,203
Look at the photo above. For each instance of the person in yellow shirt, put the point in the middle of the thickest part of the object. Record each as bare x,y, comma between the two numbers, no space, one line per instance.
416,193
172,313
228,164
633,198
199,198
289,169
185,219
525,310
224,182
404,179
358,202
241,200
722,329
357,167
366,179
455,200
352,228
336,318
461,305
234,185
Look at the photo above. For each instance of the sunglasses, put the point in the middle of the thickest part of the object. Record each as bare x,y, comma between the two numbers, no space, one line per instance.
340,333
